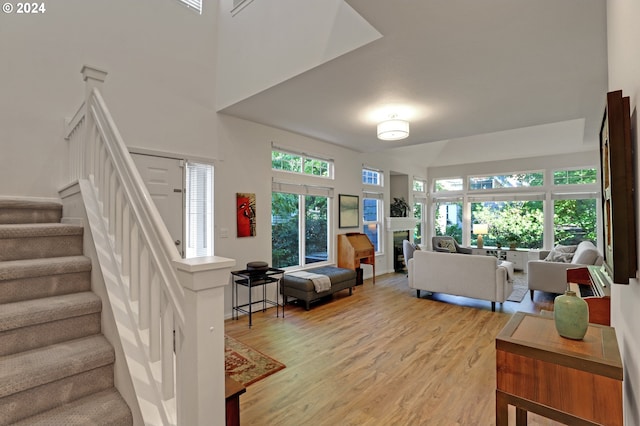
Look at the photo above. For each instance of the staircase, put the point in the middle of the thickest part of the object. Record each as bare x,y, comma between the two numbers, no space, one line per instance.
56,368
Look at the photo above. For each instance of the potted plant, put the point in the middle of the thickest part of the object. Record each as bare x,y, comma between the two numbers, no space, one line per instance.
399,208
513,240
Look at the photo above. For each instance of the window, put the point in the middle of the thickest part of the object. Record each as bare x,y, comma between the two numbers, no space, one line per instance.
575,213
417,213
371,177
448,218
299,224
575,176
419,205
199,210
515,180
519,222
301,163
372,216
193,4
454,184
372,212
574,221
514,207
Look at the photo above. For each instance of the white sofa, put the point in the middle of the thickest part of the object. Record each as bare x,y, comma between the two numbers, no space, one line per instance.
468,275
551,277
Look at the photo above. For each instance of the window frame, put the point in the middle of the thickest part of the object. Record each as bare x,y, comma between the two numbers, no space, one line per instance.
304,157
379,222
570,169
494,176
435,181
547,192
199,238
302,229
375,172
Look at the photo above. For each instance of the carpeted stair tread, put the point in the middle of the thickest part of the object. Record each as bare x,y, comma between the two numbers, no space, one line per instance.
29,268
31,230
27,279
15,210
29,369
102,408
40,240
40,311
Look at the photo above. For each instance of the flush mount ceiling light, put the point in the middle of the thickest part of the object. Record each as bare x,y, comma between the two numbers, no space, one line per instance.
393,129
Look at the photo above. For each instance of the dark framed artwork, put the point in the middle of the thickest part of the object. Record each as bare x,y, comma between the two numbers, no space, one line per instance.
246,214
617,190
349,211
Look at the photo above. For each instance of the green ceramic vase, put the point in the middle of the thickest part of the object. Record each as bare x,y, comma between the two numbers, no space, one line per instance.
571,314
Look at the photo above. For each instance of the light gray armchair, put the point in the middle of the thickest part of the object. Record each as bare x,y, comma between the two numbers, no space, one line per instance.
551,276
407,250
443,244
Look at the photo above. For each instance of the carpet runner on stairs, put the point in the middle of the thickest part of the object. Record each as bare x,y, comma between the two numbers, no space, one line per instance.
56,368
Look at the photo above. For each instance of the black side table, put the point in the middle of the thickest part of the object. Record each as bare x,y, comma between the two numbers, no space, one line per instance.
251,279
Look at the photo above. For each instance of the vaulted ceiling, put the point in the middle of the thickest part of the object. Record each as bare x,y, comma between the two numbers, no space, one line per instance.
461,71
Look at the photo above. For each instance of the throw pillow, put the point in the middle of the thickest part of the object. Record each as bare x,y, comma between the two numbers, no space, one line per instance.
587,254
561,253
448,244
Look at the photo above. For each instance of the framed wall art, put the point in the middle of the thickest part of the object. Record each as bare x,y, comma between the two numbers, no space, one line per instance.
349,211
246,214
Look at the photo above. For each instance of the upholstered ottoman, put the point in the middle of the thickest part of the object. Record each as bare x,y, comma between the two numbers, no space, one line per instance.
304,289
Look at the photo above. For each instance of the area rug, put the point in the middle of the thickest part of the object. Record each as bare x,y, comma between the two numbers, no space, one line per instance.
520,288
245,364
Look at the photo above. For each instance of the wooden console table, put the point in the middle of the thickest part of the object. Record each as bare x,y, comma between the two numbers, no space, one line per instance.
577,382
233,390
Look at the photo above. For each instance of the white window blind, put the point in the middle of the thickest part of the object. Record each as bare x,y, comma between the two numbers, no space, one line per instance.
199,210
533,196
300,189
374,195
574,195
193,4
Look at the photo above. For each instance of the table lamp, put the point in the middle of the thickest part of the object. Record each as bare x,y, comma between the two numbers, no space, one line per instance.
480,229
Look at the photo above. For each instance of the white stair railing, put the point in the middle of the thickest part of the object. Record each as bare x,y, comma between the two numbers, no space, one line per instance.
173,307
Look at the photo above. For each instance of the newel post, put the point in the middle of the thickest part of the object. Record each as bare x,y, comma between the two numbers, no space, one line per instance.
200,355
93,78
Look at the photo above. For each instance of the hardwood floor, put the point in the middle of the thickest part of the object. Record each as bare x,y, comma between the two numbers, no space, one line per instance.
380,357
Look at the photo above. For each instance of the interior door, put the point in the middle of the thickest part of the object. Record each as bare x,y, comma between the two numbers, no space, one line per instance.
164,180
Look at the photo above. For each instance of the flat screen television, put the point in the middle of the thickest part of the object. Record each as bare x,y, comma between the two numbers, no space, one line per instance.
618,190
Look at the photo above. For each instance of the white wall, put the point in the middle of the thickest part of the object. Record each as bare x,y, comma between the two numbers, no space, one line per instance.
623,17
160,57
244,165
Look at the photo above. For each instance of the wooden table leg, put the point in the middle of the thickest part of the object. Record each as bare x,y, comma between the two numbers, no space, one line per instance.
502,410
521,417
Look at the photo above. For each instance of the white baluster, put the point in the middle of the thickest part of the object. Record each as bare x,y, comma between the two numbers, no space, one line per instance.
168,357
145,283
126,240
113,188
119,219
134,275
154,314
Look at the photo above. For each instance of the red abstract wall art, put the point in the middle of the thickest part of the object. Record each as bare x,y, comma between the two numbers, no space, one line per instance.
246,214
